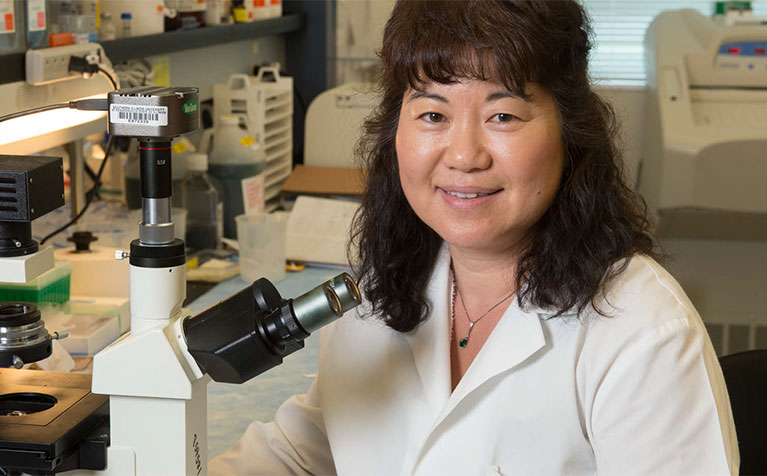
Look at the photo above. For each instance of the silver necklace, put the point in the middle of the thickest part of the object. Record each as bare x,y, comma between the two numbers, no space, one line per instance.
465,341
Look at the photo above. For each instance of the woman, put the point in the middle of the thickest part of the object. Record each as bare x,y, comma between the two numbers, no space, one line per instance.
516,321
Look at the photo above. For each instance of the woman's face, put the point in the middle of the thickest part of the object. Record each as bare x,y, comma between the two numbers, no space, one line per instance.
478,164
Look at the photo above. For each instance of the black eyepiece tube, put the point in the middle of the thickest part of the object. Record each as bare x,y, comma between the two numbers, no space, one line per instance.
156,178
252,331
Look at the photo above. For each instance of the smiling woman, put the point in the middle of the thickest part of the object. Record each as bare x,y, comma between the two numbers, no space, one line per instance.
478,165
515,318
530,61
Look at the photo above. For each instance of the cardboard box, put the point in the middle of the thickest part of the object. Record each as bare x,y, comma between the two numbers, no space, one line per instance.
312,180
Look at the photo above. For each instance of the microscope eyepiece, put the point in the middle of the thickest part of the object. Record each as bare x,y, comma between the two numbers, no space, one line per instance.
339,294
252,331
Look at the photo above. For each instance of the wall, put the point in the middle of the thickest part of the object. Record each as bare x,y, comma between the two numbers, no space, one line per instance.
204,67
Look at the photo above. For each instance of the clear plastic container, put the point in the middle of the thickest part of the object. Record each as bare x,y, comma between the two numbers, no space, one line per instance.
215,12
238,161
12,30
201,198
262,246
37,24
107,31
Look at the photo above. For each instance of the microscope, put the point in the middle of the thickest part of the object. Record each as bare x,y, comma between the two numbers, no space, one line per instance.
147,409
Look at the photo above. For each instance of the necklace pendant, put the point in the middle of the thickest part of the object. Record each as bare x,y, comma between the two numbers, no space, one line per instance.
464,342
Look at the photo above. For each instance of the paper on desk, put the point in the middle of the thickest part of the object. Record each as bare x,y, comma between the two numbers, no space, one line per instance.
318,230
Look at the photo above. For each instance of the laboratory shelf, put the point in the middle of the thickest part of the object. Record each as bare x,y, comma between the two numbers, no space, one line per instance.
168,42
12,65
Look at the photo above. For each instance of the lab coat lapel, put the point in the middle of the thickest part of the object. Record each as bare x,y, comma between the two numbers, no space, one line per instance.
430,342
517,336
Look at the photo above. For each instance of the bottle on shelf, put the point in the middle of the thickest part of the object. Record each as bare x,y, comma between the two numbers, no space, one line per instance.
239,11
125,19
258,10
238,161
275,8
107,31
214,13
37,24
200,196
78,18
12,31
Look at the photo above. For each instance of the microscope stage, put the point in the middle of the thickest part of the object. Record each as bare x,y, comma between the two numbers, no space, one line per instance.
47,419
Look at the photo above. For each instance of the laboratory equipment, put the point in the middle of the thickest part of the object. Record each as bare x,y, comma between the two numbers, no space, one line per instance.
158,371
201,198
334,122
703,166
262,245
94,271
238,162
266,100
31,187
53,286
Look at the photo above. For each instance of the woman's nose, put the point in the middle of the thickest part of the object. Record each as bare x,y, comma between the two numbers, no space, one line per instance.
465,150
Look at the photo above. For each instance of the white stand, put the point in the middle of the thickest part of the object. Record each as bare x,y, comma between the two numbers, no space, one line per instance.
158,400
23,269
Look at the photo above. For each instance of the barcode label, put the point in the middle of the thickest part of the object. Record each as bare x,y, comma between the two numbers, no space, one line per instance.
145,115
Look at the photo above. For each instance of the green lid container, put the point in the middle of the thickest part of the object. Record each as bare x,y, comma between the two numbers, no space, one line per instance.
723,7
50,287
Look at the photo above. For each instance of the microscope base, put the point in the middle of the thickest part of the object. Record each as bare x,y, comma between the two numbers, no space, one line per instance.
156,436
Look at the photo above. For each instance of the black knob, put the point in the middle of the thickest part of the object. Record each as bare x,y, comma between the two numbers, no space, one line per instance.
82,240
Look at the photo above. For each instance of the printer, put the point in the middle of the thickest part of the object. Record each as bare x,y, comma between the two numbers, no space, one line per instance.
704,164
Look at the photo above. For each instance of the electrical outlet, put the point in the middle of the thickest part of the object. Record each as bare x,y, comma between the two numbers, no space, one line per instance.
48,65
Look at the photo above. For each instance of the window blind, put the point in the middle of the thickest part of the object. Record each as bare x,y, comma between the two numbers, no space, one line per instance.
619,27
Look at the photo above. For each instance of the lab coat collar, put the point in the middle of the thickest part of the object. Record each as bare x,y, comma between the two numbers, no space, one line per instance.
517,336
430,342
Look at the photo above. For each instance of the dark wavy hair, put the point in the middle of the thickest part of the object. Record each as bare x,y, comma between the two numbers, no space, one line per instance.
595,221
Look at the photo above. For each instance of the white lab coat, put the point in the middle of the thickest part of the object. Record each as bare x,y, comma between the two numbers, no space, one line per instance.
637,393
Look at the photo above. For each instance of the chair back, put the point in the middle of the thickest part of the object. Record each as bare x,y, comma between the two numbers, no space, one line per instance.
746,376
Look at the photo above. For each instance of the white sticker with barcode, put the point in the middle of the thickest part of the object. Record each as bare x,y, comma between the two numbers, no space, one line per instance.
144,115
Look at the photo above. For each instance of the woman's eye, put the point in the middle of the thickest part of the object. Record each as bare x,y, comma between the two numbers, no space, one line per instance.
433,117
504,117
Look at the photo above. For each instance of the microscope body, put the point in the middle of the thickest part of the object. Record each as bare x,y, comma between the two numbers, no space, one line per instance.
156,376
